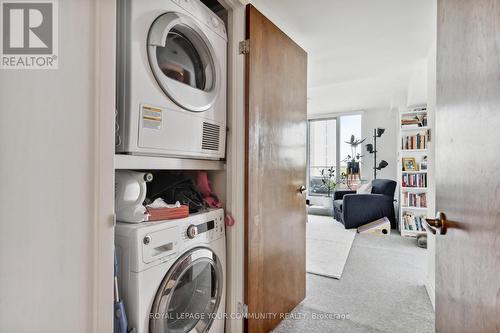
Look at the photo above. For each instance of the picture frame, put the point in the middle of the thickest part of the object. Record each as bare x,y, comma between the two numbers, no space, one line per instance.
409,164
423,164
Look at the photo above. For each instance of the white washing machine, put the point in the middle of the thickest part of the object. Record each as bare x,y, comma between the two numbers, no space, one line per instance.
172,274
171,79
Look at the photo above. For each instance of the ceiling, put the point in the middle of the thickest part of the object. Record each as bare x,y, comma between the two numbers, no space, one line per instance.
361,52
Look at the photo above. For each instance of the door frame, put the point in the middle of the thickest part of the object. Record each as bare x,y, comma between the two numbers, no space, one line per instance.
104,151
235,165
104,168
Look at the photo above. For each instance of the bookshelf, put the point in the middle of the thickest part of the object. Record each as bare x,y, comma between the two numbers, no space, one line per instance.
415,140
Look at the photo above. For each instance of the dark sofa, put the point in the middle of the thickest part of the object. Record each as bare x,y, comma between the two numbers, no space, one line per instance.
354,210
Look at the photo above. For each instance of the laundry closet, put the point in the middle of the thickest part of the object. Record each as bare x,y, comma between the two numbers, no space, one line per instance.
171,179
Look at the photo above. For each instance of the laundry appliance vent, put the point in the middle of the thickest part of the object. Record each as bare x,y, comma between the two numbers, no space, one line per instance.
211,137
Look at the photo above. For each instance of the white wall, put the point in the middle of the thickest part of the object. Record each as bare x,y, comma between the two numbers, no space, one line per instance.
418,86
48,143
358,94
386,145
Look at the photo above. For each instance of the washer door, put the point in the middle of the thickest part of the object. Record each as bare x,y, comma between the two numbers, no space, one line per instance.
189,295
183,61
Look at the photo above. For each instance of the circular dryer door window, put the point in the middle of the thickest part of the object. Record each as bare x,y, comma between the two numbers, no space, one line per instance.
183,61
190,294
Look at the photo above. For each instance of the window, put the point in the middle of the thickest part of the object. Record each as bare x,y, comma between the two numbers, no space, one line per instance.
327,148
322,152
349,125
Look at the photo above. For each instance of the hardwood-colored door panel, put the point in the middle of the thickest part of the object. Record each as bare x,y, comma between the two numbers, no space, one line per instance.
467,159
275,170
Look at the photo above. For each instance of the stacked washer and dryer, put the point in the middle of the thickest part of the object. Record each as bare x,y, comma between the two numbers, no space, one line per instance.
171,101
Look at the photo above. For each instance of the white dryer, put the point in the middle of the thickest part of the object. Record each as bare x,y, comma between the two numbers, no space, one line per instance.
172,274
171,79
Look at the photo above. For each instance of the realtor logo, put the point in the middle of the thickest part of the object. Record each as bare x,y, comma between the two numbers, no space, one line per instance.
29,34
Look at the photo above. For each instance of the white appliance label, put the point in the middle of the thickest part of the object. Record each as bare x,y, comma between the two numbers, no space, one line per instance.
151,117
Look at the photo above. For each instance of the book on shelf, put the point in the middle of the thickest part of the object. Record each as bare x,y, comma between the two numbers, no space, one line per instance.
411,142
408,122
414,122
414,180
411,126
414,200
412,222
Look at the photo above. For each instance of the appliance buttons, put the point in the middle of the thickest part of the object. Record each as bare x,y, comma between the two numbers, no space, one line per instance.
192,231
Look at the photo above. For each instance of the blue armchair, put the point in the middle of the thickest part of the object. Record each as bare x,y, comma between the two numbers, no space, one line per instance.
354,210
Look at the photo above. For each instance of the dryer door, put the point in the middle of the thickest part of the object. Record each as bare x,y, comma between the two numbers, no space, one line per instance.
183,61
189,295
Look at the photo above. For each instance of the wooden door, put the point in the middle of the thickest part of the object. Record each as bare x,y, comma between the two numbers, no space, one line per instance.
467,161
275,227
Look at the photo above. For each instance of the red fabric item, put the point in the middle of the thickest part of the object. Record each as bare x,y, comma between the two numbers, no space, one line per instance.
203,183
229,220
206,190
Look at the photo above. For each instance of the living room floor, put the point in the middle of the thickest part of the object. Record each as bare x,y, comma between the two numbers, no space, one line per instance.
381,290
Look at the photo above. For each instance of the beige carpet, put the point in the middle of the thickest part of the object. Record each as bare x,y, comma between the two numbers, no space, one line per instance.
328,246
381,291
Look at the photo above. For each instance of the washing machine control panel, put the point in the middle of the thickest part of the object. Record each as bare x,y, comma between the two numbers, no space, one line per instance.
192,231
211,230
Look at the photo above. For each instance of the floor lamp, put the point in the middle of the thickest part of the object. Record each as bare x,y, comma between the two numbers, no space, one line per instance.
372,149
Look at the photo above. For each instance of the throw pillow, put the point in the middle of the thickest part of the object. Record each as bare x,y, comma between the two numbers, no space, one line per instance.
365,188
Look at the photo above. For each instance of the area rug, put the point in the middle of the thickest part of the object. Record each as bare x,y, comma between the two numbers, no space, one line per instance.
327,245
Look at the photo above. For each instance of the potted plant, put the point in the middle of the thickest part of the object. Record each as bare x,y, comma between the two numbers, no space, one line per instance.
328,179
353,160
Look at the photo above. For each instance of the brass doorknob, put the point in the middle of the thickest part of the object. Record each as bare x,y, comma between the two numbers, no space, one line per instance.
437,225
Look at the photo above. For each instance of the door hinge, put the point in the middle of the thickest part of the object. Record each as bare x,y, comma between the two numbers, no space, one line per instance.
245,46
243,309
113,219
